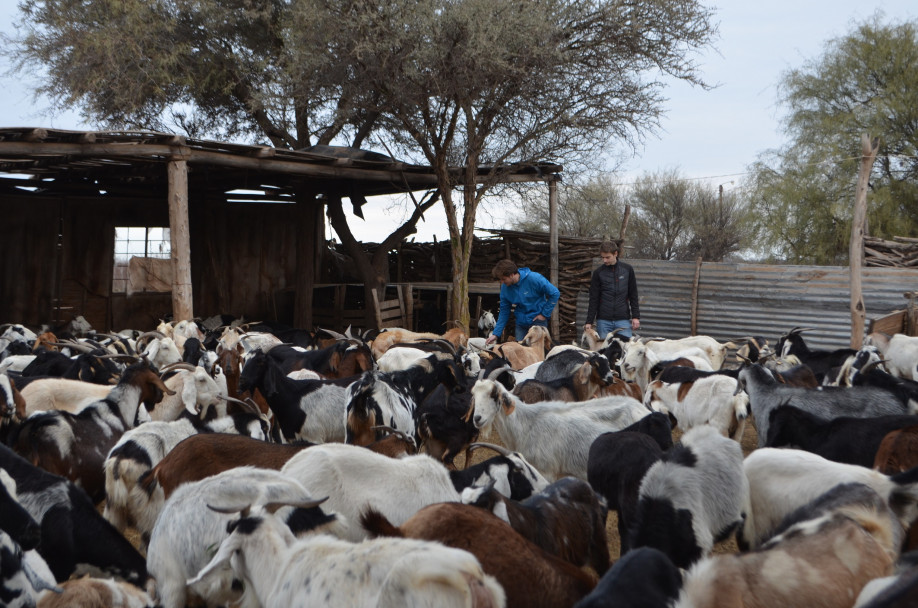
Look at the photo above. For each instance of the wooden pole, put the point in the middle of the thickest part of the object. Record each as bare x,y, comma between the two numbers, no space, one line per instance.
553,249
182,300
309,218
869,148
624,231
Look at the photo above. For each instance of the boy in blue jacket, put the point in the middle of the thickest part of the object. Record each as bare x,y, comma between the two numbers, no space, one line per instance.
534,296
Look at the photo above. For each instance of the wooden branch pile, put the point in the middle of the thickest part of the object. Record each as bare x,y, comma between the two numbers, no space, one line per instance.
901,252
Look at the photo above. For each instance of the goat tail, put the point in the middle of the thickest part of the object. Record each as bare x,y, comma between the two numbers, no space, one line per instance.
377,524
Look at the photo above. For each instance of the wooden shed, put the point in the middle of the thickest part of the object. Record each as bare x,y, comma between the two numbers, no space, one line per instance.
246,223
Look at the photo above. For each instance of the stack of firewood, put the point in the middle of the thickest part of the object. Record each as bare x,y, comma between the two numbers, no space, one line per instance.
901,252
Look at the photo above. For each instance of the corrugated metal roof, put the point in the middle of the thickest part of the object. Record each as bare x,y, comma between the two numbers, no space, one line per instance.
736,300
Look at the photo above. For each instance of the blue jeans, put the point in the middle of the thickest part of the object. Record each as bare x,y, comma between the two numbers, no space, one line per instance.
522,330
604,327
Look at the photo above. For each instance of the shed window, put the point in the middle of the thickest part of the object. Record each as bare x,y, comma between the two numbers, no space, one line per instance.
143,261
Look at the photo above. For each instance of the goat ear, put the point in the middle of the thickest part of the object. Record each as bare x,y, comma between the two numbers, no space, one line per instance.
506,403
189,396
219,562
334,361
582,375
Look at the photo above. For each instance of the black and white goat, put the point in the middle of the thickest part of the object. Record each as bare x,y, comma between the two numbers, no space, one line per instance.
693,497
73,533
822,362
392,398
75,445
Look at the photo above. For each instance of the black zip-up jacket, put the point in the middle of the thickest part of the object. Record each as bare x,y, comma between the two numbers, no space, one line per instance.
613,294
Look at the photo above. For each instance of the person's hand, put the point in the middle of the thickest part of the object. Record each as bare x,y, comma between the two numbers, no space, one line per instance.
635,323
539,318
491,339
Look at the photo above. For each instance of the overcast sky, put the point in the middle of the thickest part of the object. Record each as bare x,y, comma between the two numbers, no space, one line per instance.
713,134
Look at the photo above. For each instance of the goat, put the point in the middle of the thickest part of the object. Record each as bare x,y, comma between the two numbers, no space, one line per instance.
512,475
617,462
20,582
639,358
340,360
390,336
486,323
766,394
76,445
583,384
844,439
830,550
644,578
193,390
898,451
564,363
820,361
386,572
73,533
160,351
901,355
554,436
12,406
127,503
781,480
392,398
567,519
693,497
14,519
900,590
187,532
864,372
96,593
353,477
528,351
513,560
444,425
62,394
310,410
713,400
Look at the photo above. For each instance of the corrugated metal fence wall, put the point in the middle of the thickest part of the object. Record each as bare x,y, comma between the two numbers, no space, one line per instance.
736,300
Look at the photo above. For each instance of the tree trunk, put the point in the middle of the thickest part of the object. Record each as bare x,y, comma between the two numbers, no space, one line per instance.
869,149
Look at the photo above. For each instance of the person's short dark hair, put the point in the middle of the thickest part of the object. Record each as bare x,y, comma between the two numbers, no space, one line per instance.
504,268
608,247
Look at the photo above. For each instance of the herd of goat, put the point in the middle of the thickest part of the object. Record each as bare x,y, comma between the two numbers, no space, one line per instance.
259,465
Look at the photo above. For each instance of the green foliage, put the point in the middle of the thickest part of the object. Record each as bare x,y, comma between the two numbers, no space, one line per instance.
590,210
865,82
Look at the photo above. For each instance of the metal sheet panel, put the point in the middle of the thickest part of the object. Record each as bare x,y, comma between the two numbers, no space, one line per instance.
736,300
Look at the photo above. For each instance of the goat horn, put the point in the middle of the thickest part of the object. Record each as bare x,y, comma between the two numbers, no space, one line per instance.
74,345
333,334
178,365
497,448
120,357
798,330
249,405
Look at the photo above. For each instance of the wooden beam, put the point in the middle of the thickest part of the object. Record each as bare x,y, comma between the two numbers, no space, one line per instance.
182,297
308,213
869,148
694,321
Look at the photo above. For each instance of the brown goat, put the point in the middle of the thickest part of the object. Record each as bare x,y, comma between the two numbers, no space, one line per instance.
583,385
96,593
622,388
531,577
386,339
898,452
531,349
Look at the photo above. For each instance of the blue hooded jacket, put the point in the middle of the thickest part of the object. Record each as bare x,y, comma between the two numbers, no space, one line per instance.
533,294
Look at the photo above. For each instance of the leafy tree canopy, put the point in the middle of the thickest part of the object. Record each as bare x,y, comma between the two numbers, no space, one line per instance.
864,82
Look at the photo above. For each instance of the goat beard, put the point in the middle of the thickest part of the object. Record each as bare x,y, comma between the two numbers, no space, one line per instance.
485,431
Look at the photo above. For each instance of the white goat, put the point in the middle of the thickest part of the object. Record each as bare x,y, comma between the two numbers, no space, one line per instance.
639,358
187,532
62,394
383,572
554,436
354,478
781,480
195,392
713,400
901,356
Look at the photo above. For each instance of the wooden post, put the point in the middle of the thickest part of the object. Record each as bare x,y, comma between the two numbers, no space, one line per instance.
694,326
409,306
553,250
180,236
869,148
621,234
310,223
376,311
